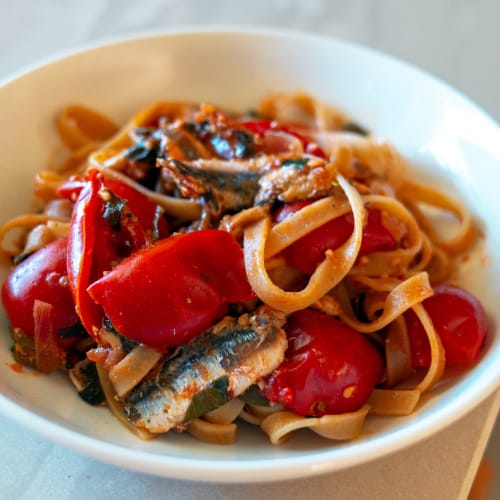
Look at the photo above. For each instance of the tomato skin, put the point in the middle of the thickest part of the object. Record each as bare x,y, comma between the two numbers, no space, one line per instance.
139,204
42,276
81,245
329,368
460,321
309,251
166,294
261,127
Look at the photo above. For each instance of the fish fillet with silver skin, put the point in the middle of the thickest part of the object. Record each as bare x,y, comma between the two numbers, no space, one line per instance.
219,365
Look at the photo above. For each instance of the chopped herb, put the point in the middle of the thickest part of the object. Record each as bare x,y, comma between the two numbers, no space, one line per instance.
253,396
113,211
354,128
208,399
205,277
297,163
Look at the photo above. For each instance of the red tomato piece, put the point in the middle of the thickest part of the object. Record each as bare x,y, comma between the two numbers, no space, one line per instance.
140,205
261,127
306,253
329,368
95,246
460,321
166,294
43,277
81,245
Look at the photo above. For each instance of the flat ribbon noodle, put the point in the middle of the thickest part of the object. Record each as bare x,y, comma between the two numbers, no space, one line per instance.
129,371
404,401
328,274
78,126
397,261
413,193
279,426
303,222
116,407
210,432
400,298
26,221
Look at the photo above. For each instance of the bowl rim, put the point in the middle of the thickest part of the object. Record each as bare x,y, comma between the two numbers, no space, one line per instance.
190,29
246,470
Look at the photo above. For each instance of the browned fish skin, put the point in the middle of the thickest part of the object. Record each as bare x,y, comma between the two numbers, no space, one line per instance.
243,349
288,184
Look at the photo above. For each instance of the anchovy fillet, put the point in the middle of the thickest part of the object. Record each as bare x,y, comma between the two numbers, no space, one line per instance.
239,351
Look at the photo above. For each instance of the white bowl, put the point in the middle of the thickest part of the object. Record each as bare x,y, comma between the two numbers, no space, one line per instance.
444,135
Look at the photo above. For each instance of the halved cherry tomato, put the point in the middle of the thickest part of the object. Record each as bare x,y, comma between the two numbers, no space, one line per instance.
42,277
95,245
309,251
329,368
261,127
166,294
459,320
139,204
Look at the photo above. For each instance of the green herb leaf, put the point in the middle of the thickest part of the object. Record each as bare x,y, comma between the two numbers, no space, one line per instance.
113,211
253,396
208,399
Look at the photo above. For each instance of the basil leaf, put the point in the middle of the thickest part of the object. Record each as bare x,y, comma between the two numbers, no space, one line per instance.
208,399
113,211
253,396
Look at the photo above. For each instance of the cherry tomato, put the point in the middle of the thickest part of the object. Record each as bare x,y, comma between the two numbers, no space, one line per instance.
140,205
261,127
166,294
42,277
329,368
459,320
306,253
100,236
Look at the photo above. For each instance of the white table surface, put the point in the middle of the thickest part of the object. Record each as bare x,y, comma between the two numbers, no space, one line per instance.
456,40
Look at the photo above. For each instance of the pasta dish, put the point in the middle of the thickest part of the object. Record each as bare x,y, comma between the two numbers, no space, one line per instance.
198,267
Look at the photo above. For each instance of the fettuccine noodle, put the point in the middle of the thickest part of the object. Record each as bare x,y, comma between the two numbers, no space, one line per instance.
336,173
